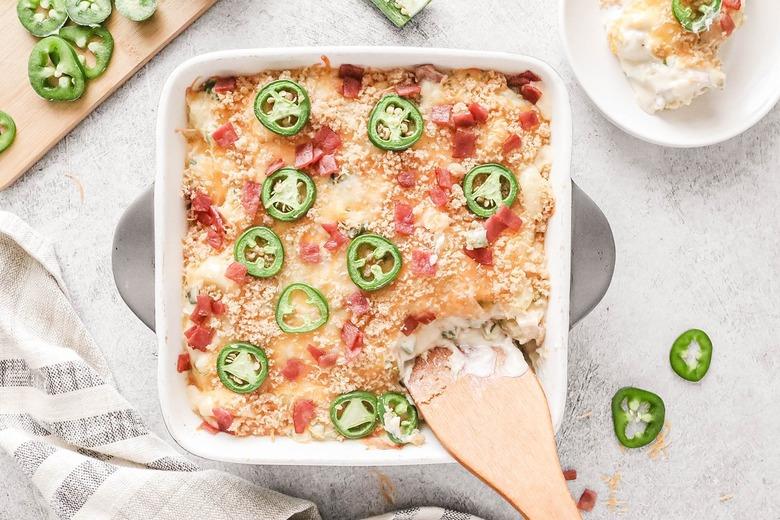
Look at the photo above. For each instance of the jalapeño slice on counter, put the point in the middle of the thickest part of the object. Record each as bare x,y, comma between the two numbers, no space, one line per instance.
7,131
637,415
55,71
397,415
136,10
372,261
488,186
90,40
242,367
395,124
42,17
691,354
696,15
288,194
354,414
260,250
400,11
88,12
283,107
301,308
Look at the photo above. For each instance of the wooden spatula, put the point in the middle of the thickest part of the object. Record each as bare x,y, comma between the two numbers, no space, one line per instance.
500,429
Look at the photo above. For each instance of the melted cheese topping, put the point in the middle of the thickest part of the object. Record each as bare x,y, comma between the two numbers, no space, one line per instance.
510,297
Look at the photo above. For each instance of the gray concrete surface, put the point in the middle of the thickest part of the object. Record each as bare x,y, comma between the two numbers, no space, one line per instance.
697,234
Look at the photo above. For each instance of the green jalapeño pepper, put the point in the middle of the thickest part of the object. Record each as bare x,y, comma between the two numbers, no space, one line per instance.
55,71
260,250
354,414
395,124
290,315
638,416
242,367
488,186
691,355
42,17
288,194
7,131
372,262
88,12
136,10
398,416
400,11
90,40
696,15
283,107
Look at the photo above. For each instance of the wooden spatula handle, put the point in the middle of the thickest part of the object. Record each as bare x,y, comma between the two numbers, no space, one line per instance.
519,458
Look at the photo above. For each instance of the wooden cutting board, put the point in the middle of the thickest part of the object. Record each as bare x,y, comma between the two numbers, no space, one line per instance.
41,124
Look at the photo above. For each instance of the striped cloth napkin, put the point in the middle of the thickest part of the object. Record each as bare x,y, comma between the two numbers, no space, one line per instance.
85,449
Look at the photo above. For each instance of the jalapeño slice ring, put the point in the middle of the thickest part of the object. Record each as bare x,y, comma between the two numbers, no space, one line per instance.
286,308
373,262
288,194
395,124
242,367
354,415
283,107
487,187
638,416
260,250
393,405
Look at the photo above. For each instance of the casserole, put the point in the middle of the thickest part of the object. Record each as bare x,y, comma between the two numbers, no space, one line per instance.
170,228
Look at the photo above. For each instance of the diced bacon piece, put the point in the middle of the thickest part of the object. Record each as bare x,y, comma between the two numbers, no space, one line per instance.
225,135
529,120
407,179
358,303
337,238
463,120
479,112
327,140
428,72
408,90
209,428
292,369
350,88
524,78
183,362
323,359
217,307
732,4
587,500
352,338
440,114
727,24
423,263
200,203
482,255
444,179
223,417
509,218
570,474
306,155
439,197
202,311
275,165
404,219
425,317
531,93
303,414
215,239
351,71
327,165
464,144
224,85
199,337
512,142
237,272
309,253
409,326
250,198
493,228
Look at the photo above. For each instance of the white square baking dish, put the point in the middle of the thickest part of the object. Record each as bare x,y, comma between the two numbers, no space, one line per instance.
170,226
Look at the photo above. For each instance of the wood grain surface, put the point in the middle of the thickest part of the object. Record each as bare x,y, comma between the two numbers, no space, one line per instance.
41,124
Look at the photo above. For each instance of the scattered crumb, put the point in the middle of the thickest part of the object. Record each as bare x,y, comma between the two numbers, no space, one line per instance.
386,486
78,184
614,504
613,481
725,498
660,447
585,415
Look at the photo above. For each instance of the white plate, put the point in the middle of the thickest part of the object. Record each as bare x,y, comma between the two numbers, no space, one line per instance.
170,226
751,61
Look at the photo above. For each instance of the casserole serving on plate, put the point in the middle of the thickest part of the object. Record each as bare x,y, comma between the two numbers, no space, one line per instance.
215,231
